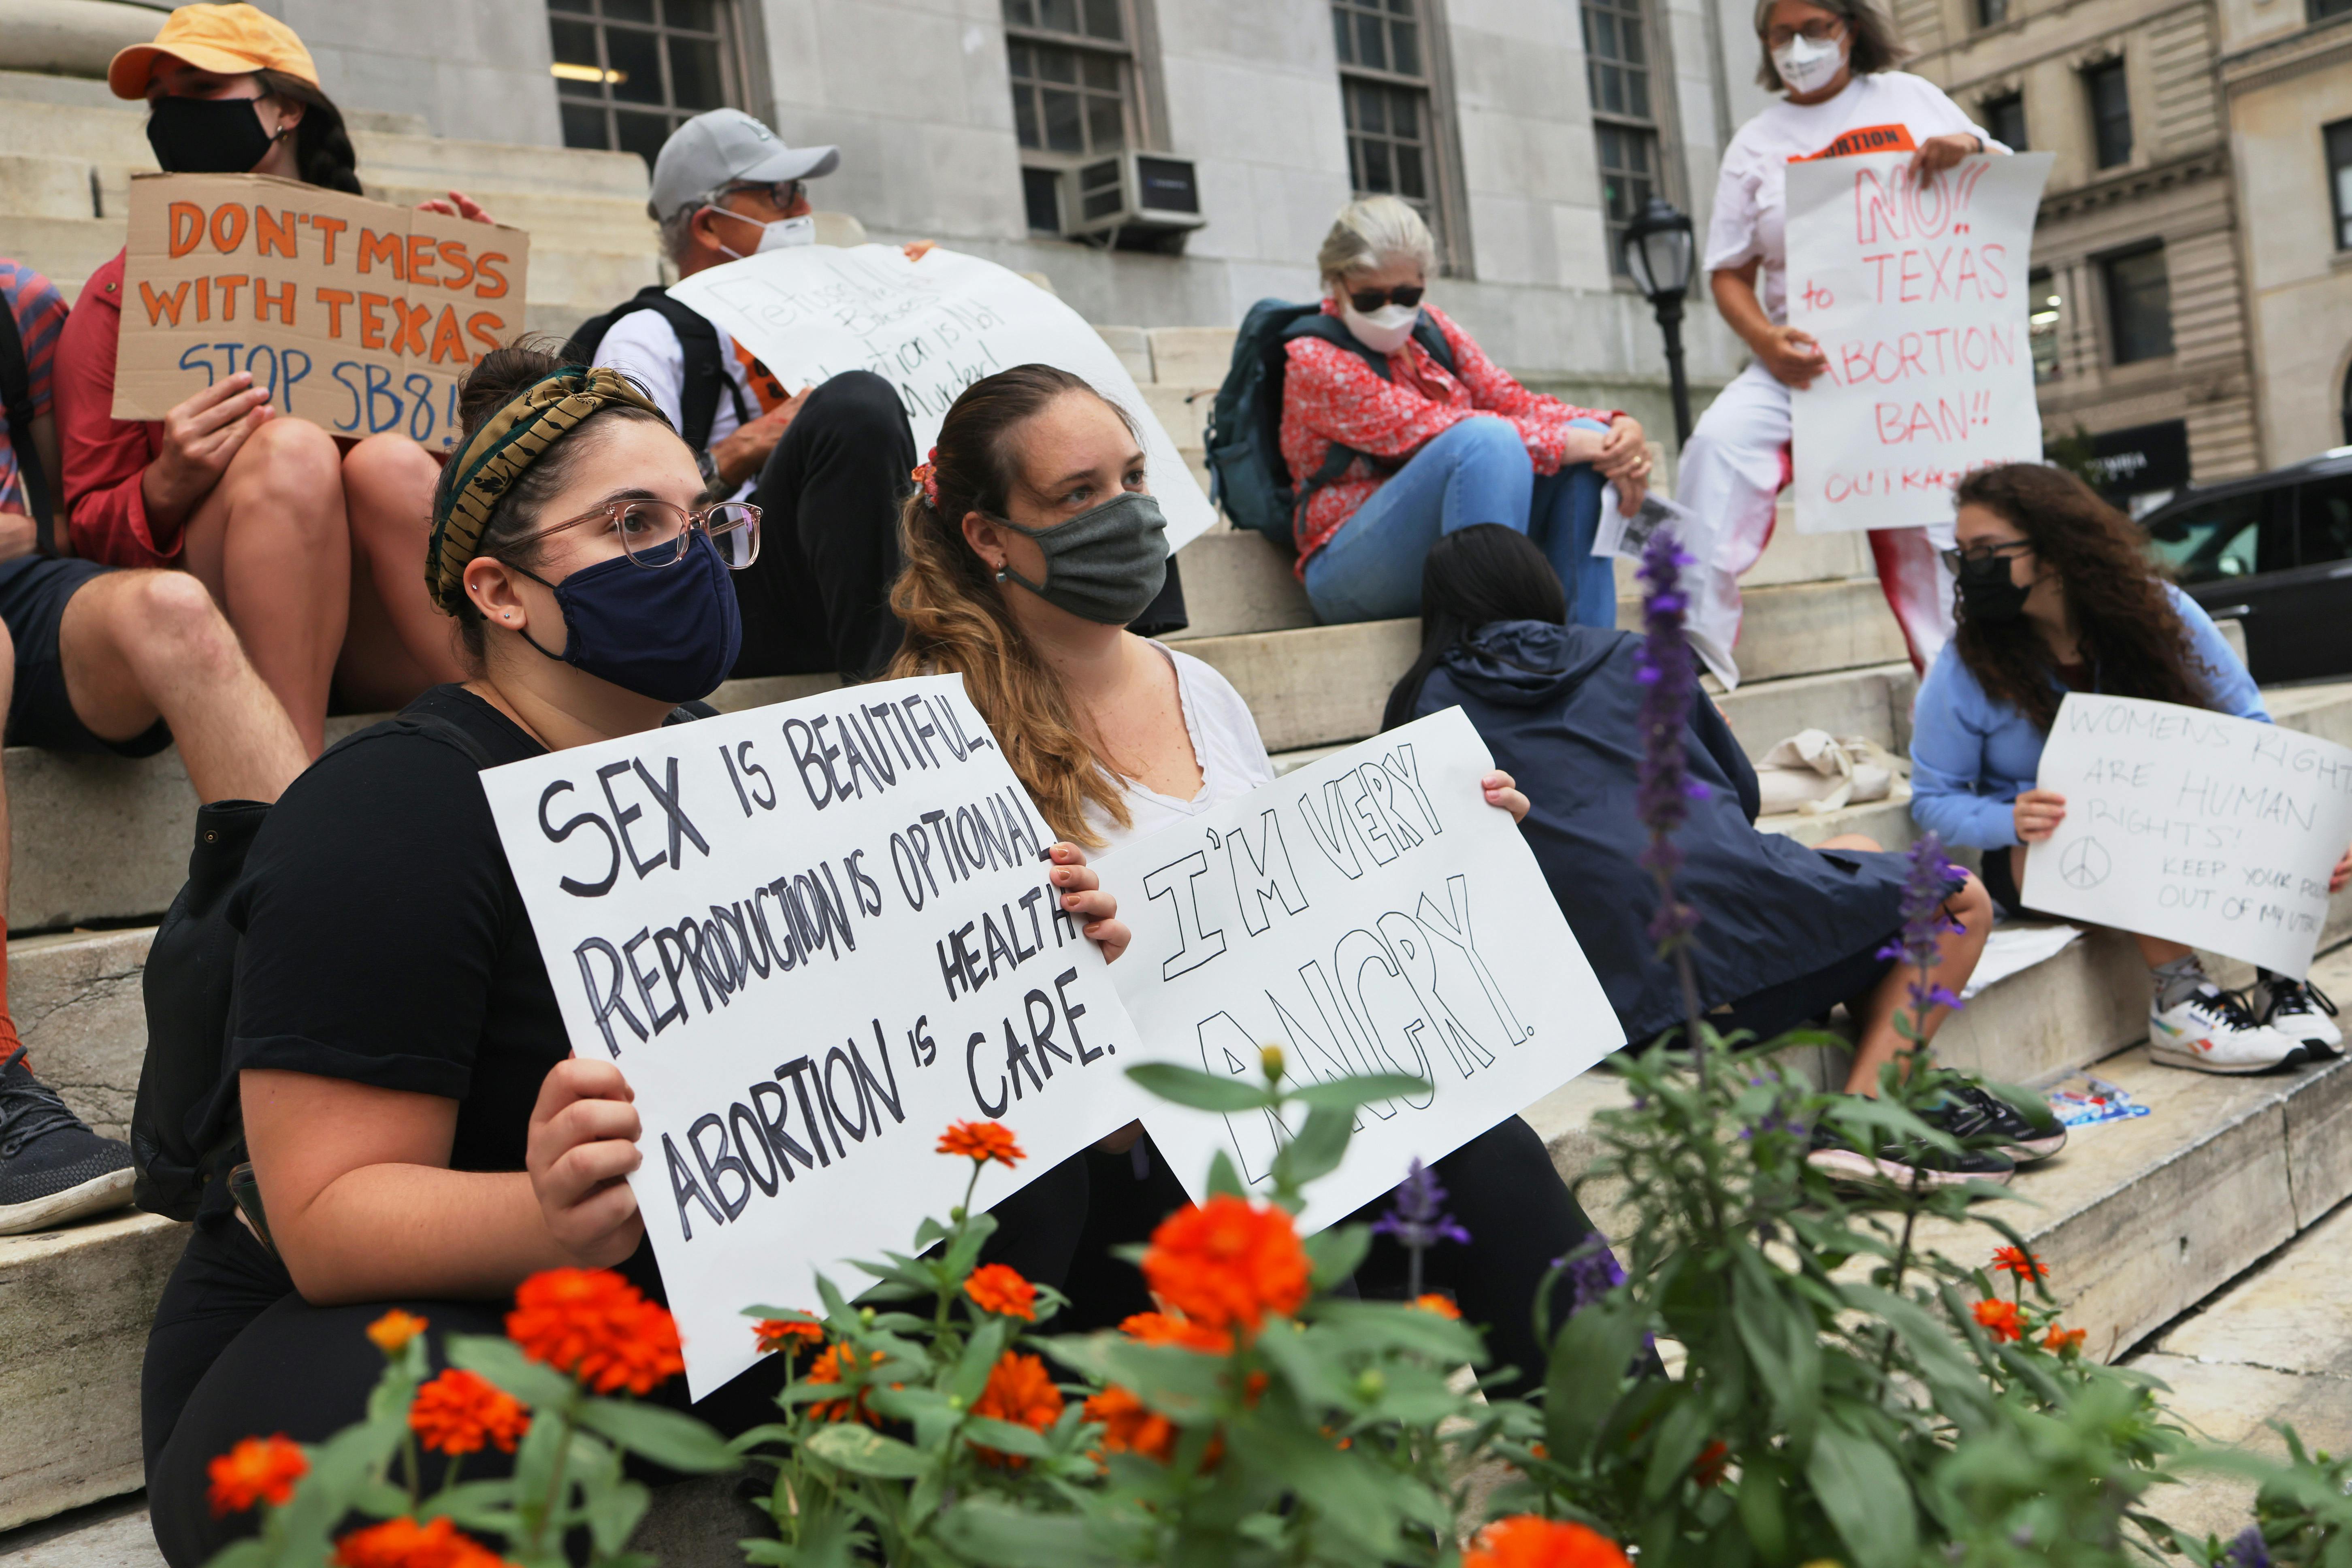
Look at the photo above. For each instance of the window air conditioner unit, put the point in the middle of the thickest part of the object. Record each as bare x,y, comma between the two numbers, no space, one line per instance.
1139,193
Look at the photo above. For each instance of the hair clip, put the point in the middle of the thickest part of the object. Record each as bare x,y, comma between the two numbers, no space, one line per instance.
927,474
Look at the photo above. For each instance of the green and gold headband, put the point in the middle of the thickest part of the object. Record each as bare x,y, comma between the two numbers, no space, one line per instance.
498,454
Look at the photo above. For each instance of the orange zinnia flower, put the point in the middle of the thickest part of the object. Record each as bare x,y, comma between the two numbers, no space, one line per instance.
404,1543
2066,1342
1999,1319
1227,1262
2018,1261
597,1327
257,1469
1708,1468
827,1369
1167,1329
1529,1541
1020,1390
1131,1427
457,1413
1441,1305
786,1333
981,1141
393,1331
995,1287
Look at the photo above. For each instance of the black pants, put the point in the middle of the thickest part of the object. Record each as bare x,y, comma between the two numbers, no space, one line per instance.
818,599
1505,1191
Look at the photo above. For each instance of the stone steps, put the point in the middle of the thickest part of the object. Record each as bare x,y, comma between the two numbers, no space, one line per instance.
2136,1220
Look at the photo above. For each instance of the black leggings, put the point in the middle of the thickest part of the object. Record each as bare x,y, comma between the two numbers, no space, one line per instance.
234,1353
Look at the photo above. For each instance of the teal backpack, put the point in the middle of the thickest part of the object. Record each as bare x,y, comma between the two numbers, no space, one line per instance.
1246,474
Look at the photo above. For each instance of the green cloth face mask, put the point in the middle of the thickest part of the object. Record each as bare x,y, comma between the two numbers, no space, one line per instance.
1106,565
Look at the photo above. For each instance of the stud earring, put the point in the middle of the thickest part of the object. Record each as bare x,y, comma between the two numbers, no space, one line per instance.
1000,574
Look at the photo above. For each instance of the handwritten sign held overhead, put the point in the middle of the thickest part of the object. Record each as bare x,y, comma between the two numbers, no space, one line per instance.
2192,826
1367,913
359,316
812,935
930,328
1915,290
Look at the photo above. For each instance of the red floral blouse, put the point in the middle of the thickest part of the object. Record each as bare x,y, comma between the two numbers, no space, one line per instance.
1329,394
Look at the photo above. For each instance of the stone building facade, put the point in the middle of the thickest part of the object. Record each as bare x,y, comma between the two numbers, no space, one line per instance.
2286,72
2139,303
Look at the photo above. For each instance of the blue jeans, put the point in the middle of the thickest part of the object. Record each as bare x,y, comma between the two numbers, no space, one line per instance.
1476,471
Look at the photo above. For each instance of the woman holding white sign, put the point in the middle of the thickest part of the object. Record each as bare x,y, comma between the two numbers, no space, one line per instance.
1031,541
1833,63
2056,595
419,1132
310,545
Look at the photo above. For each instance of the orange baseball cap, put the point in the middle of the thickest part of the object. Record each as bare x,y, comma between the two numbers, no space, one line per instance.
229,39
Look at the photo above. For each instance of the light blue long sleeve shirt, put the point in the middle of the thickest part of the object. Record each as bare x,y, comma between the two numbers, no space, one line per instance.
1971,756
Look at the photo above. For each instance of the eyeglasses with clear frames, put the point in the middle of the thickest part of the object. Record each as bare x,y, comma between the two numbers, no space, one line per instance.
785,195
655,534
1820,30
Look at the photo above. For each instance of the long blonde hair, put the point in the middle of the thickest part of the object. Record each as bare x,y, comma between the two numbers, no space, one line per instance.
955,617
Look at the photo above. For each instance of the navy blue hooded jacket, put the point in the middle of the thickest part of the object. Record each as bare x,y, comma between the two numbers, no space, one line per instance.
1560,709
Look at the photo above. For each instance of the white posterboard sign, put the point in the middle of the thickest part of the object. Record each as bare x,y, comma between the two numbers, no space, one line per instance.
930,328
2194,827
1369,912
1916,294
811,935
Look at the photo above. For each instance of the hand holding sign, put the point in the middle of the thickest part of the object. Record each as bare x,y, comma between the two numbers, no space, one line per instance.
2191,826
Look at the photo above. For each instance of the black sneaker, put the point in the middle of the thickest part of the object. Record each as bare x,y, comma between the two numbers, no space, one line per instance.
2021,1139
2301,1011
53,1168
1904,1164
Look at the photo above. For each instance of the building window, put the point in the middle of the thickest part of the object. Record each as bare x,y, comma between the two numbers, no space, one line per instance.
2042,315
2005,117
2139,306
1624,115
2338,139
1384,88
2320,10
2111,125
629,72
1991,13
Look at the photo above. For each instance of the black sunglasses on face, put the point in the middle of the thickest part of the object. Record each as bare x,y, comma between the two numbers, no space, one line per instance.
1955,558
1367,300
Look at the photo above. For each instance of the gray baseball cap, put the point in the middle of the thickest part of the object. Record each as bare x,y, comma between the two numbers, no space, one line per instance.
722,148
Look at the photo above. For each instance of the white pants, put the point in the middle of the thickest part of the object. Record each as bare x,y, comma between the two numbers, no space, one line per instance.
1730,477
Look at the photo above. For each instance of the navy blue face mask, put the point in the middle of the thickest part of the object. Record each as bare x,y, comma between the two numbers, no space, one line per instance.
670,634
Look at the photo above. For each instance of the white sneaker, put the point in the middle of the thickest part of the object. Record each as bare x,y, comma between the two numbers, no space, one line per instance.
2300,1011
2213,1031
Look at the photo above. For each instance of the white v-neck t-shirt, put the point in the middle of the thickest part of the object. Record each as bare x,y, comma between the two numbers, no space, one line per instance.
1752,193
1224,741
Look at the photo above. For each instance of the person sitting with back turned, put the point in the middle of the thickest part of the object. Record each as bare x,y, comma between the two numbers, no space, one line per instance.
420,1133
1031,543
826,465
97,661
1397,428
313,546
2055,595
1789,932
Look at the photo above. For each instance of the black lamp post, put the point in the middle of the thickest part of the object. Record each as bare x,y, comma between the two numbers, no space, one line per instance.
1657,255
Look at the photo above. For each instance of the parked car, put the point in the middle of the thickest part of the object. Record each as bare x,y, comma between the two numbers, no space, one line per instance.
2273,552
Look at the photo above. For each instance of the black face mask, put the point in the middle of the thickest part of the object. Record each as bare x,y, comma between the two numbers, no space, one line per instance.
208,135
1987,594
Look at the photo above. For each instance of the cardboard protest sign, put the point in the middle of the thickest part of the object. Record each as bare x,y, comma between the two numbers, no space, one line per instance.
1369,912
1915,292
930,328
2192,826
812,935
359,316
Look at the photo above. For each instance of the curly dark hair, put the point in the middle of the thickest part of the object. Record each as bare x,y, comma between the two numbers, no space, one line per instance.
2123,613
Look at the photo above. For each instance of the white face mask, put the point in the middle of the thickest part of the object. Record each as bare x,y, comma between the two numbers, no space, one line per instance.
783,234
1385,330
1808,66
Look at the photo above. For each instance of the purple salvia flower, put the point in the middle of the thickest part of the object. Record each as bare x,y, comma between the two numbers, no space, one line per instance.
1418,1220
1592,1271
2248,1550
1930,881
1668,672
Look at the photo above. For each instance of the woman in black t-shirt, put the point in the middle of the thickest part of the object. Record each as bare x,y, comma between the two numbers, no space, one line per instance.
421,1135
